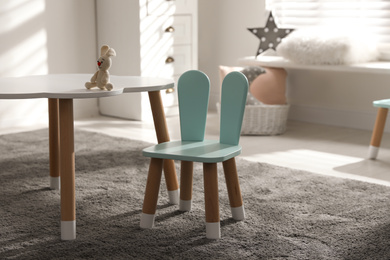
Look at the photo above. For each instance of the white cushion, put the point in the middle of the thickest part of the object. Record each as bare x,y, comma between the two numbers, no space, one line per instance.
326,45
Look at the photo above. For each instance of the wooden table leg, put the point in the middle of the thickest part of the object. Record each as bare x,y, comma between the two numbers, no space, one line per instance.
160,125
54,144
67,169
377,133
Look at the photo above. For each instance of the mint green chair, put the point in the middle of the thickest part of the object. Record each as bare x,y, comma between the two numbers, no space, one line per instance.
193,91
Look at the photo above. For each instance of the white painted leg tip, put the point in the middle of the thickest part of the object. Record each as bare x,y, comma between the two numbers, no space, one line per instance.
173,197
55,183
147,220
373,152
68,230
185,205
213,230
238,213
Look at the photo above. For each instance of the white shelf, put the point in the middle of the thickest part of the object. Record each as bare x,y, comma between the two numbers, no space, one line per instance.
379,67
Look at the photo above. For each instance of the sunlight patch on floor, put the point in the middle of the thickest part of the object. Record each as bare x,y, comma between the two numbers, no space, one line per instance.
330,164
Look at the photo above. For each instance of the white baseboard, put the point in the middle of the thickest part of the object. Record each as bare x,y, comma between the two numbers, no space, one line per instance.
328,116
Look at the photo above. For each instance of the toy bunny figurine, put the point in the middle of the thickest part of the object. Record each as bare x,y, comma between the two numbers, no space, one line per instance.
101,78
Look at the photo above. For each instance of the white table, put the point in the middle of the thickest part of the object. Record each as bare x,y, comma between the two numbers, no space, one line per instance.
60,90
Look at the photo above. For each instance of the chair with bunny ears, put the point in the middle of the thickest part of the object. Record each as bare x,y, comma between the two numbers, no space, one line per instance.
193,92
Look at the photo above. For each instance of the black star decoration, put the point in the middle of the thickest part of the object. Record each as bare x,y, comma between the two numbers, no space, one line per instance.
270,36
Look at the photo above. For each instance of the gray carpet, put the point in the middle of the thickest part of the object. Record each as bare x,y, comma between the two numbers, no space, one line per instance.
290,214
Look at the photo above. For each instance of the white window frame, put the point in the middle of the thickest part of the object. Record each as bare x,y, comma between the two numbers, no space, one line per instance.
371,16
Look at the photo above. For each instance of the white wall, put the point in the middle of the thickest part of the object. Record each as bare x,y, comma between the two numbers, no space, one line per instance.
343,99
40,37
336,98
223,36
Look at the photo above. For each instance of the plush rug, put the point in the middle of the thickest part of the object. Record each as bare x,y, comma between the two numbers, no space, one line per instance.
290,214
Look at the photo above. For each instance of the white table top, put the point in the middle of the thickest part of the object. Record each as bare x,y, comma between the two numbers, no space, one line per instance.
69,86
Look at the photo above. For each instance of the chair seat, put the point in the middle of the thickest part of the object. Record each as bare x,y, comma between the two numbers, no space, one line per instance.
208,151
385,103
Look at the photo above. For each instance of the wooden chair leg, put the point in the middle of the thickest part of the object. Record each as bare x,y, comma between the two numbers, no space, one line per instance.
162,134
54,143
151,193
233,188
377,133
186,176
171,181
210,177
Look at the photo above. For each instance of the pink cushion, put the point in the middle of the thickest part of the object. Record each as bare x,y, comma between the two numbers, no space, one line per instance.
267,85
251,72
270,87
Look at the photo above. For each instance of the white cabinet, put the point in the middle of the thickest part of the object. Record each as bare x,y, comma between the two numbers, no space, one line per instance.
153,38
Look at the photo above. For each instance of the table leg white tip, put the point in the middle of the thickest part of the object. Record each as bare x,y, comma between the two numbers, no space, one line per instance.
373,152
213,230
68,230
185,205
55,183
173,197
238,213
147,220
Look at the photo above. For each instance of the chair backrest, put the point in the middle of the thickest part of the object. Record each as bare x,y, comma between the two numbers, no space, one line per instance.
193,91
233,100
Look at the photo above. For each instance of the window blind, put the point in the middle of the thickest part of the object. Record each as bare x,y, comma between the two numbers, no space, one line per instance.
371,17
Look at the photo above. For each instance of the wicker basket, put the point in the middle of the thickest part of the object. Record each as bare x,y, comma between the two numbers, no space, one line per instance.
264,119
